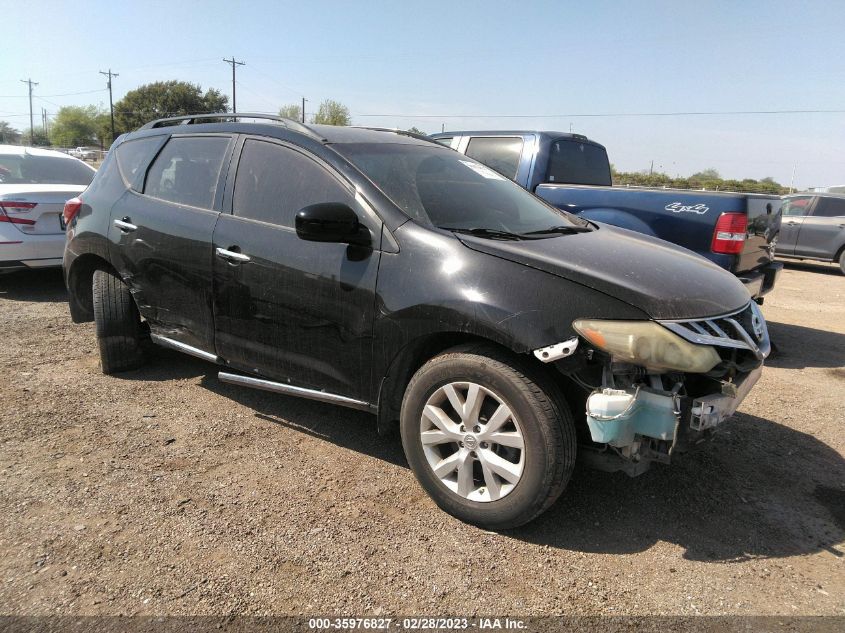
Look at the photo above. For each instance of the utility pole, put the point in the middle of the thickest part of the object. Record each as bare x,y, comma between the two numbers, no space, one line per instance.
110,74
234,63
303,108
31,130
44,121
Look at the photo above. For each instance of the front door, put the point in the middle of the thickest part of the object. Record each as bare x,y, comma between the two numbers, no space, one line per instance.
161,238
292,310
794,211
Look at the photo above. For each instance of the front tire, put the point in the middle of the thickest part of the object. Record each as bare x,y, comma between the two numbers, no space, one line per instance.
118,324
842,261
487,438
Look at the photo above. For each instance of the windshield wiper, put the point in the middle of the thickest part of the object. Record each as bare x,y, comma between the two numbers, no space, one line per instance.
563,230
493,234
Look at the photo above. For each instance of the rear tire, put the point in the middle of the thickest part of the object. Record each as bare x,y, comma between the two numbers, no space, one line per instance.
842,261
118,324
534,476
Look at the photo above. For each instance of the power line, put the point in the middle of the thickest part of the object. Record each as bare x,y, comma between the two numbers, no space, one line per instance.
234,63
600,114
31,129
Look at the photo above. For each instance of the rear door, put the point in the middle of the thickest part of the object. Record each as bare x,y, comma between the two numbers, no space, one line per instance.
823,231
795,209
286,308
161,236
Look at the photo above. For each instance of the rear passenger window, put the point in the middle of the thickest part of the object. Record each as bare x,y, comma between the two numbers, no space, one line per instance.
274,182
133,156
447,141
830,208
499,153
187,169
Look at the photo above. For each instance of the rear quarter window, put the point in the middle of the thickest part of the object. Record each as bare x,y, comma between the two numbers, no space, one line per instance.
133,156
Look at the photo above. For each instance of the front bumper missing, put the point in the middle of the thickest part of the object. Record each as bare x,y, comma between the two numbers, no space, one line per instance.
645,424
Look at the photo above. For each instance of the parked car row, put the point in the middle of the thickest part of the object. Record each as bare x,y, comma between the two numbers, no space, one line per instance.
387,273
814,228
34,186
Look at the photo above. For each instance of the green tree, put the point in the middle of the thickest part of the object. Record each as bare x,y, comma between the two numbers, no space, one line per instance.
74,126
291,111
332,113
707,174
415,130
8,134
163,99
40,137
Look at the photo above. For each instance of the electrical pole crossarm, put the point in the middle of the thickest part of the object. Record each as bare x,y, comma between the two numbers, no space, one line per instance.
234,63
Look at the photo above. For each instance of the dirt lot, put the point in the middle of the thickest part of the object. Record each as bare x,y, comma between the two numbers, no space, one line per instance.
164,491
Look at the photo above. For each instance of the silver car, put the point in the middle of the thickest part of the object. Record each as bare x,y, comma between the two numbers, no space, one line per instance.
34,186
813,228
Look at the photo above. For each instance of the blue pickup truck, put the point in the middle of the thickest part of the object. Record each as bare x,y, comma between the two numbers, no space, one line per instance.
737,231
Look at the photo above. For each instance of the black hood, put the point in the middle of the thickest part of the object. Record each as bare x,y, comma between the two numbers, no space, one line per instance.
663,280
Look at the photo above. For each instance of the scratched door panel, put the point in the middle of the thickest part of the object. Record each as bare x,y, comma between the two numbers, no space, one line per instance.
297,311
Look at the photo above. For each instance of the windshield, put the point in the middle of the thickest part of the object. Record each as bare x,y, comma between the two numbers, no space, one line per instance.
440,187
578,163
44,170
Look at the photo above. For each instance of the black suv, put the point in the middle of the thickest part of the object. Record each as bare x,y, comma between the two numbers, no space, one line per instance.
382,271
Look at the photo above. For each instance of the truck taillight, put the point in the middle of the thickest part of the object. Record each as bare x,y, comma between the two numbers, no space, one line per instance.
72,207
9,210
729,234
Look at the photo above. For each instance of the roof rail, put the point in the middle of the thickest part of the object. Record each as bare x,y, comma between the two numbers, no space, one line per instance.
395,130
188,119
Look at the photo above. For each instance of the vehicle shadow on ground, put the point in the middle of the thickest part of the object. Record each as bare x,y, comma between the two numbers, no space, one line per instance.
794,341
348,428
813,267
33,285
759,490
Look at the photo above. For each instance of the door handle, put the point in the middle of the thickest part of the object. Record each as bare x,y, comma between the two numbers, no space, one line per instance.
125,226
791,223
232,256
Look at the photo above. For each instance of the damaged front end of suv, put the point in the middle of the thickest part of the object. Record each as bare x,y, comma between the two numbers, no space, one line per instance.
656,388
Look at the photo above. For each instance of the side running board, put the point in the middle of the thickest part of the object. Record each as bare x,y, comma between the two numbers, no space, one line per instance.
186,349
290,390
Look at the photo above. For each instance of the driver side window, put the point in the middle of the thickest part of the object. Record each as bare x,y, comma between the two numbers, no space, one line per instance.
797,206
274,182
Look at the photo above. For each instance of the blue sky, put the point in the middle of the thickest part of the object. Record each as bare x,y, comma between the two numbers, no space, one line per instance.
464,64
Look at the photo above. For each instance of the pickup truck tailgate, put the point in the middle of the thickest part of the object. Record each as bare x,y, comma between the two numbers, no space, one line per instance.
764,217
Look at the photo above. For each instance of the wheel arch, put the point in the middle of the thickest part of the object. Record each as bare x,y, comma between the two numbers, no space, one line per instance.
80,285
419,351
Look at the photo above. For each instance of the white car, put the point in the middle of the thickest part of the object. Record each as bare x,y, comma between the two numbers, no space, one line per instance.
34,186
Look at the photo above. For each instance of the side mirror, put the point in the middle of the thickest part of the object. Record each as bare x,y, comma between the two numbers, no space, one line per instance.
330,222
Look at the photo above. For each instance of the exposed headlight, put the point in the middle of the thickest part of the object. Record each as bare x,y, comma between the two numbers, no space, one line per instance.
648,344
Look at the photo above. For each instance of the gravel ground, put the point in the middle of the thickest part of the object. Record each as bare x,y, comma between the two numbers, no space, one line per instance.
163,491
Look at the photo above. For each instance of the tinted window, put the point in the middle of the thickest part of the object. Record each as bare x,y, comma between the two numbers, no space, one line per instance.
45,170
274,182
447,141
797,206
132,156
502,154
830,208
578,163
440,187
187,169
